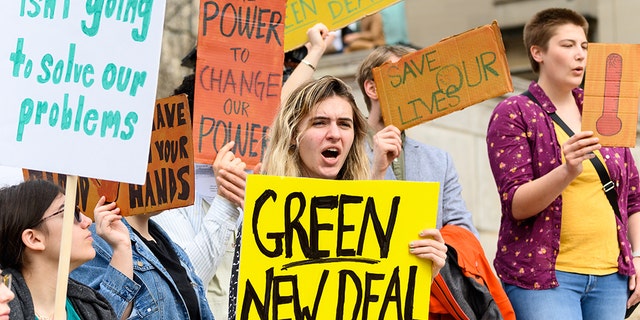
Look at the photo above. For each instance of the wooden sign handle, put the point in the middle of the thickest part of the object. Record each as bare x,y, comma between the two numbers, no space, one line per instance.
65,247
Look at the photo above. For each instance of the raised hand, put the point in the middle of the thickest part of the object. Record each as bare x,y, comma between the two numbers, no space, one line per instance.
109,225
230,175
578,148
387,145
319,38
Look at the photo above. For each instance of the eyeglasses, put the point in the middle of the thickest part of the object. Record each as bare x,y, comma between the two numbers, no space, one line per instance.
6,280
77,215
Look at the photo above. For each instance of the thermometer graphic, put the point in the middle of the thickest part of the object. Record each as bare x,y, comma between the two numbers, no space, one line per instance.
608,123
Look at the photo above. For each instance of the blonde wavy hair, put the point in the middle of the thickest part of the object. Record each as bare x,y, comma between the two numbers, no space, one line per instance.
282,157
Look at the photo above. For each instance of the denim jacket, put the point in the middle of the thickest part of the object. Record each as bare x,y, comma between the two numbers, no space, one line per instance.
153,292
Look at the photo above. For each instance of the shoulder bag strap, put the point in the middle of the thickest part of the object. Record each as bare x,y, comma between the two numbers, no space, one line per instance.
607,185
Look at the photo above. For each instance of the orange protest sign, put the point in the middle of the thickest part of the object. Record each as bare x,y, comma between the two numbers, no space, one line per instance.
170,179
451,75
612,82
238,76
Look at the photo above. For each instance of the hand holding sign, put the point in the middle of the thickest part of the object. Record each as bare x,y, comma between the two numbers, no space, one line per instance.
387,146
451,75
431,247
230,175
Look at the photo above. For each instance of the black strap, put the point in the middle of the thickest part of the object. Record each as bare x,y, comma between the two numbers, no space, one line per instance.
607,185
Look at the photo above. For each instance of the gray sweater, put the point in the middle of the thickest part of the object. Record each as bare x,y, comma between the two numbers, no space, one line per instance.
88,303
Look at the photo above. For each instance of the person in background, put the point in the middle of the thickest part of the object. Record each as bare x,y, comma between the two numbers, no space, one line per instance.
206,230
421,162
416,161
369,34
562,252
6,295
30,233
206,236
320,133
142,272
394,22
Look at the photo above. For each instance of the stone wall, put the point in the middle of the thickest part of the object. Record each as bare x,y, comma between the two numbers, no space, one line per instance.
179,38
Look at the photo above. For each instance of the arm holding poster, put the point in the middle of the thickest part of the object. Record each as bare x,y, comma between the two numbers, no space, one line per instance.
319,39
231,176
414,156
109,226
540,171
202,232
387,146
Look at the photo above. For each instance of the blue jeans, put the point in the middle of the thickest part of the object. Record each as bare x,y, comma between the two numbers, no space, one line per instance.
578,296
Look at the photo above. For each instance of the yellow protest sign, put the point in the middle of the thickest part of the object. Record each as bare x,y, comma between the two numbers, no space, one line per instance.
170,179
330,249
451,75
335,14
612,81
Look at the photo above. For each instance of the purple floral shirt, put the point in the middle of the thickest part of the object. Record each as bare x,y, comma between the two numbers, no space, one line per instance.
522,146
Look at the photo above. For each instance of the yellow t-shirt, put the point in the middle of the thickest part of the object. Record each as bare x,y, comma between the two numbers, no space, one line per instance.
588,234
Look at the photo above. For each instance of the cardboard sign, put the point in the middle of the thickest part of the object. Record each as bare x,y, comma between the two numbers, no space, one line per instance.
451,75
335,14
170,179
612,83
80,80
331,249
238,76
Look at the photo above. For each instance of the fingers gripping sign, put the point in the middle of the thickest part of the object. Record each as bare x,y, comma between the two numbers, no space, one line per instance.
430,246
387,145
578,148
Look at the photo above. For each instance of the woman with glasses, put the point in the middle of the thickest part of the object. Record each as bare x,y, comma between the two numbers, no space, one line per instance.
6,295
141,272
30,232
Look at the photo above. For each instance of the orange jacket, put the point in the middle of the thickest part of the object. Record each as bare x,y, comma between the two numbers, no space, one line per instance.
473,264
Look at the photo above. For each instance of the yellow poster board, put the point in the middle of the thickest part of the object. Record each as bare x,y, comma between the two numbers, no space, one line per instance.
451,75
331,249
612,82
335,14
170,179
